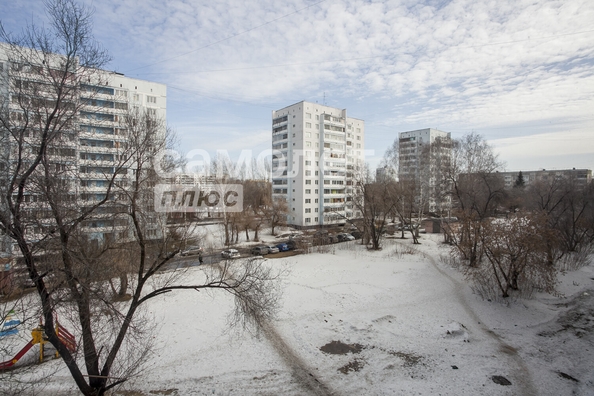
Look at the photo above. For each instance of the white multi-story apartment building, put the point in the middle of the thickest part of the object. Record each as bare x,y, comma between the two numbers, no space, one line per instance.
316,150
425,162
90,144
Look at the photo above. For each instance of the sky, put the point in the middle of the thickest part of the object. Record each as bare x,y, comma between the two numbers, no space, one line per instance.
519,73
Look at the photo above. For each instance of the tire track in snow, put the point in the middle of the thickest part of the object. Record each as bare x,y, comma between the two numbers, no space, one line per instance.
297,366
299,369
524,378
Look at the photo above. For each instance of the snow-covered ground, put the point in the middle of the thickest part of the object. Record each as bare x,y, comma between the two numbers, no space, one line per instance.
408,323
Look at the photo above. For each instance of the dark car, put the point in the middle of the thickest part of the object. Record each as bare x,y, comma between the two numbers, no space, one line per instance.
260,250
192,251
283,247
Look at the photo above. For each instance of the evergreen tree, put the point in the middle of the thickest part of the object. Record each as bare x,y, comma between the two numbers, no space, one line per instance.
519,181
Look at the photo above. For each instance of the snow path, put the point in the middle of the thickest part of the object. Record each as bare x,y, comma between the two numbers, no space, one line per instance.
523,378
299,368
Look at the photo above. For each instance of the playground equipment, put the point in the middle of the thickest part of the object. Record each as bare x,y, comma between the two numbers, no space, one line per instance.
39,337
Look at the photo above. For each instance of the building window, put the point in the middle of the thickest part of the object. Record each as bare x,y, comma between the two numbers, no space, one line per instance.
307,210
307,144
308,116
317,117
308,173
308,219
308,191
308,124
316,219
308,182
316,200
151,99
307,162
308,200
308,134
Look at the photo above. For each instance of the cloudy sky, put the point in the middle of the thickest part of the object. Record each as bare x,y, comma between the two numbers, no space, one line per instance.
520,73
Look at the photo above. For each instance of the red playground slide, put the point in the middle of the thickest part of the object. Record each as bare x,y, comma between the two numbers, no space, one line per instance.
11,362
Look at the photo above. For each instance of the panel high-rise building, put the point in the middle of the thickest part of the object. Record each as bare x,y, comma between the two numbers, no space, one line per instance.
423,157
317,149
92,140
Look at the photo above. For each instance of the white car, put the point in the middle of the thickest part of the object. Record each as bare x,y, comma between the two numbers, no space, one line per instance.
230,253
273,249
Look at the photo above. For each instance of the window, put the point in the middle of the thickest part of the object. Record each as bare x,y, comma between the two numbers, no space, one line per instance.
316,193
308,116
308,219
308,200
318,126
136,97
307,162
307,210
316,200
308,173
317,117
308,182
308,124
358,129
308,134
316,210
307,144
151,99
358,137
308,191
316,219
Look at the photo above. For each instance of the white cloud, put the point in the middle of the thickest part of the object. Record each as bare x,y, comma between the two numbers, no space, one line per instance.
500,67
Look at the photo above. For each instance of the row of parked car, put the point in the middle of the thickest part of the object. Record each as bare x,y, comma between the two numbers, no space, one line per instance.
261,250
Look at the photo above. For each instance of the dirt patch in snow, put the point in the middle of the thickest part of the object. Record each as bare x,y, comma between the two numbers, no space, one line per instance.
354,365
340,348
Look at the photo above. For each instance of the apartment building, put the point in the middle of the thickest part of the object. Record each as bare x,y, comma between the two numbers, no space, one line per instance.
582,177
424,154
92,140
316,150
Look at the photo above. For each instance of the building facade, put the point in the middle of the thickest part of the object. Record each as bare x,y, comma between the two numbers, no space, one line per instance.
424,156
316,150
91,146
582,177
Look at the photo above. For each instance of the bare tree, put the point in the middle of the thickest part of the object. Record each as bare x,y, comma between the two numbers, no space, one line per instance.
276,213
515,251
375,201
476,189
71,273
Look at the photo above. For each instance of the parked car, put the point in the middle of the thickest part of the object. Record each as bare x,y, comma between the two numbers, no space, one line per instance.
191,251
282,247
357,234
348,237
260,250
230,253
273,249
